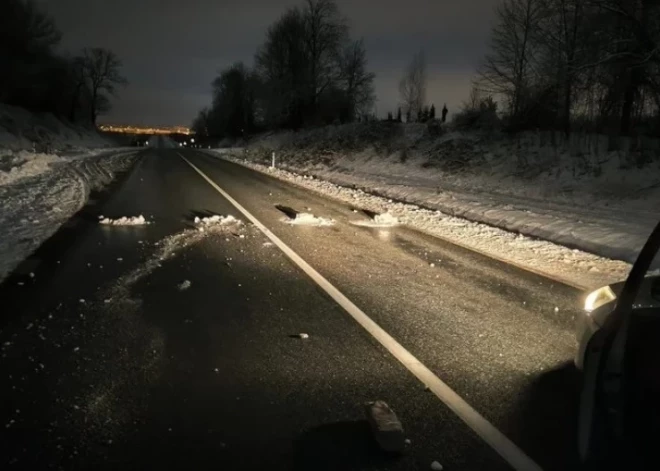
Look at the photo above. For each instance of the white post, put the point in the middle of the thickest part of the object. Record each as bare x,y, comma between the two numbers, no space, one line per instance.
273,165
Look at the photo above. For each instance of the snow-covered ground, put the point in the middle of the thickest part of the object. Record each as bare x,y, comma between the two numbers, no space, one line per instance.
580,268
40,192
47,169
575,193
44,133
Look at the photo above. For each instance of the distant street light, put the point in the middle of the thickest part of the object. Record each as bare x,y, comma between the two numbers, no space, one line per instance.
192,140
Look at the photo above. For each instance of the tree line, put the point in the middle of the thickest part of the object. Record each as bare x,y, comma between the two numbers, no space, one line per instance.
587,65
34,76
307,72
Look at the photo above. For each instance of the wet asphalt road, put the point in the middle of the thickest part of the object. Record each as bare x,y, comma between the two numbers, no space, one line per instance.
106,364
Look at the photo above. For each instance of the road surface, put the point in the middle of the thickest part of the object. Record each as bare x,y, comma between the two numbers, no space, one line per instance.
110,360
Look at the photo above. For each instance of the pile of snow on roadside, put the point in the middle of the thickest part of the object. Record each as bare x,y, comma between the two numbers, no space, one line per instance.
124,221
580,269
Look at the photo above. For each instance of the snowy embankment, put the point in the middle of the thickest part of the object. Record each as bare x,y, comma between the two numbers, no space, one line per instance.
47,169
40,192
517,201
44,133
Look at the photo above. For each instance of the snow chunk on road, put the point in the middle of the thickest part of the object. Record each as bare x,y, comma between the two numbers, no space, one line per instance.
125,221
216,221
308,219
380,220
184,285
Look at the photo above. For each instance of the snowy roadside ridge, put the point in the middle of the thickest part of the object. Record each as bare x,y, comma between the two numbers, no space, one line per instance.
34,208
573,267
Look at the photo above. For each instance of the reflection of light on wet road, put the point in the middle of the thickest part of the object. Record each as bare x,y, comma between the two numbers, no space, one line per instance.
384,235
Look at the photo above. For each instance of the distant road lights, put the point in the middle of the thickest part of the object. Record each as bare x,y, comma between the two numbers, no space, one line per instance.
192,140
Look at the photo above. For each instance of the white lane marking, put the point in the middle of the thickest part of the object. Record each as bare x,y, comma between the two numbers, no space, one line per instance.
487,431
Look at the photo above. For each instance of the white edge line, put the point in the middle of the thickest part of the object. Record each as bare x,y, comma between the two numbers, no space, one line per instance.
487,431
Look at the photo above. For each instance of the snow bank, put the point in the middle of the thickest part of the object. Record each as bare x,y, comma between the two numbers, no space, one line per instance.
47,169
36,203
124,221
42,132
15,166
575,267
574,192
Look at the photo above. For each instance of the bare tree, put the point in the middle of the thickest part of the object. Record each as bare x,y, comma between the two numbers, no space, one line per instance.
325,32
356,82
560,31
633,53
79,81
103,73
27,37
412,87
508,69
200,124
233,102
282,66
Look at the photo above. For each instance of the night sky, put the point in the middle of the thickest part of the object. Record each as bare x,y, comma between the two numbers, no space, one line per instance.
172,50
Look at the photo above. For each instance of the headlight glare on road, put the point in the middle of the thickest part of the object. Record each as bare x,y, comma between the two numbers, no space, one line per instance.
598,298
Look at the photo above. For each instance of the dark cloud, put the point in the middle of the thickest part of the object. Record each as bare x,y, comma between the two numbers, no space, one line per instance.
173,49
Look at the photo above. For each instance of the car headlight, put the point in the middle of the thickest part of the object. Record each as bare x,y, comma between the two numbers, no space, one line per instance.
598,298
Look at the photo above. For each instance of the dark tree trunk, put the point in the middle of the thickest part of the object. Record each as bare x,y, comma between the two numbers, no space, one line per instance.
629,95
74,103
93,108
567,108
